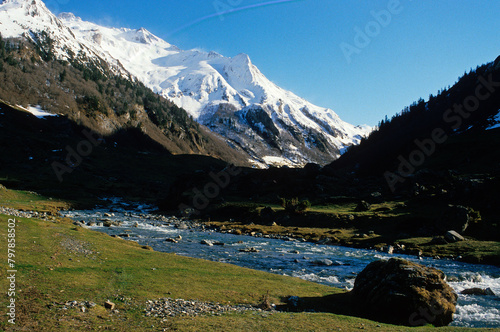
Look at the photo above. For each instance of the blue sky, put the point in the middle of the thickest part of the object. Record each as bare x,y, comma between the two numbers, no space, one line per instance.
314,47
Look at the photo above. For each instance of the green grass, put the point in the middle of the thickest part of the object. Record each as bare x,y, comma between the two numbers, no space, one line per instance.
28,200
386,223
482,252
50,272
294,322
385,209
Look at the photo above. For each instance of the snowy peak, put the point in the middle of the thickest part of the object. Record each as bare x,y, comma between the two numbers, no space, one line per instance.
32,11
243,60
229,95
145,37
31,18
241,70
213,54
69,17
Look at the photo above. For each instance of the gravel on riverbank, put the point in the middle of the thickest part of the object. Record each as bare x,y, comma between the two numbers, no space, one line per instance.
78,247
167,307
26,214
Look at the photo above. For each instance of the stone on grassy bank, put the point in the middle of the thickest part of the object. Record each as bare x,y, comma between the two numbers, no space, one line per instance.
400,292
109,305
452,236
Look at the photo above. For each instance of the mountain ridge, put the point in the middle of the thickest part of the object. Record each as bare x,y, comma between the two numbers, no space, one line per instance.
207,85
395,140
233,83
87,92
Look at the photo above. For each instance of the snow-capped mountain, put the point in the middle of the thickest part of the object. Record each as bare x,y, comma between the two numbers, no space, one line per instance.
31,18
229,95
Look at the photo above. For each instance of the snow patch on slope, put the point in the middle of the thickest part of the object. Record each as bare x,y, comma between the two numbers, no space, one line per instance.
37,111
495,122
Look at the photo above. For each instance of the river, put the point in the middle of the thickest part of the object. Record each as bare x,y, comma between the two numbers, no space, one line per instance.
304,260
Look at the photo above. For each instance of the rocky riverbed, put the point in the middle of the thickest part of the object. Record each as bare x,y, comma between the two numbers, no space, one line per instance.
27,214
167,307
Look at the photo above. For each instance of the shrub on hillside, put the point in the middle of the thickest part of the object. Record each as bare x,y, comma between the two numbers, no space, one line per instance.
295,205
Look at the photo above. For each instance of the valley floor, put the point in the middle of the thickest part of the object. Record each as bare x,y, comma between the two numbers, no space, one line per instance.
383,228
57,263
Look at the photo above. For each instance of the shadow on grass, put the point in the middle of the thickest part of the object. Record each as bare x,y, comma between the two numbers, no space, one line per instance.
339,304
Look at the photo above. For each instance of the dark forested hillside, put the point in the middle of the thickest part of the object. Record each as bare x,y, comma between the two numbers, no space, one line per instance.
427,126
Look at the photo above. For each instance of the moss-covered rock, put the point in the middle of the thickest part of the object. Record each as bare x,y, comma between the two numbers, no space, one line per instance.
404,293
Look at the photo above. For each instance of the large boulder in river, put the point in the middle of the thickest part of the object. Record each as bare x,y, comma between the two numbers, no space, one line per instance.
400,292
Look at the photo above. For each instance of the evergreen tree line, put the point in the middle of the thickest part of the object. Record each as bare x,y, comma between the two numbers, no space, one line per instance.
96,88
396,136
